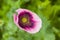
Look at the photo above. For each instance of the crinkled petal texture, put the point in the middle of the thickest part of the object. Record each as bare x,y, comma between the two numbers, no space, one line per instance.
33,22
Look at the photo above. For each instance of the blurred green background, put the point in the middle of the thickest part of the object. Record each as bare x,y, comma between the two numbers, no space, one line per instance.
47,10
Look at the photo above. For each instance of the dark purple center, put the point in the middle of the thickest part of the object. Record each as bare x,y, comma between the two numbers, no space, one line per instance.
28,16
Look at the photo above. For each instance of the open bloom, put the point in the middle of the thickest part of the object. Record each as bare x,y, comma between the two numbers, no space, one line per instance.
27,21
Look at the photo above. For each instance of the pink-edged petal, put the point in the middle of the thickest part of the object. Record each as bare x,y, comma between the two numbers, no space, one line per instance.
19,10
32,13
16,21
15,18
35,29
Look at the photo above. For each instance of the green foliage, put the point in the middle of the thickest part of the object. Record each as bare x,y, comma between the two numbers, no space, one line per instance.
47,10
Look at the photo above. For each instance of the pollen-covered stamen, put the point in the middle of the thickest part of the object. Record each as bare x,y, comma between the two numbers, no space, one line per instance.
25,20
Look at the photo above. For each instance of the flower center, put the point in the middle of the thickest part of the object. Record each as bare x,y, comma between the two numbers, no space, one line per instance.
24,20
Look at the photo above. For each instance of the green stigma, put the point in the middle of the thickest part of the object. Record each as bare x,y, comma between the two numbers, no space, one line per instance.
24,20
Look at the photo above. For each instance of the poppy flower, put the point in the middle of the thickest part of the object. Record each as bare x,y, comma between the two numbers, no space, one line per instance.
27,21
